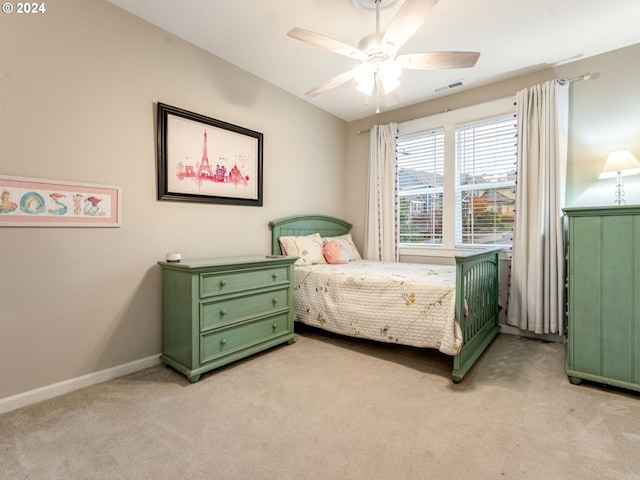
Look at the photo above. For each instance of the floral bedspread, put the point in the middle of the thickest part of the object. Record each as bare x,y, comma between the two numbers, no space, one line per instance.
406,303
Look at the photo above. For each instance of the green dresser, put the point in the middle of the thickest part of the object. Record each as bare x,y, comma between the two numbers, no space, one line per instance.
216,311
603,314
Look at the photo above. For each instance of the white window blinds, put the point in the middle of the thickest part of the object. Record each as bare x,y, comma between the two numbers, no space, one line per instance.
420,187
485,181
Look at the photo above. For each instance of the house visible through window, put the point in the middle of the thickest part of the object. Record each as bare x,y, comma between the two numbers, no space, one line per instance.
456,180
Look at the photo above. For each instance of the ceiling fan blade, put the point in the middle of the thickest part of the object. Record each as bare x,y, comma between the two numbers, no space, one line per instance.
438,60
327,43
331,83
407,21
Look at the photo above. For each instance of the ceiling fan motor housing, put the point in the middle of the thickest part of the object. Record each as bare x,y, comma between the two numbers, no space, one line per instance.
374,48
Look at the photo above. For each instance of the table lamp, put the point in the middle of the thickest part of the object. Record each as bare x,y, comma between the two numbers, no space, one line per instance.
620,163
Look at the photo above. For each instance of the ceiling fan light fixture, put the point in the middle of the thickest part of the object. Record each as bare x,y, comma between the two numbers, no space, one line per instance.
388,73
390,70
389,84
366,87
364,75
363,72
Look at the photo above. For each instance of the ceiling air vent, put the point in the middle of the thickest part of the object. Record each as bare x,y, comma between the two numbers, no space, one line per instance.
457,84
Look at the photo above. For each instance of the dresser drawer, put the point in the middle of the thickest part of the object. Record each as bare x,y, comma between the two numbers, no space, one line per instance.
231,281
216,312
228,340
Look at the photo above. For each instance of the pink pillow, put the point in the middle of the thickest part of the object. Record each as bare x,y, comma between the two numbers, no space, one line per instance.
335,253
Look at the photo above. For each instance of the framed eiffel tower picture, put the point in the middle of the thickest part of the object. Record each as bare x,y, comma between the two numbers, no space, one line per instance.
202,159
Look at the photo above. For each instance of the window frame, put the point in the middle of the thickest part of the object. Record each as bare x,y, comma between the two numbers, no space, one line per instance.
448,121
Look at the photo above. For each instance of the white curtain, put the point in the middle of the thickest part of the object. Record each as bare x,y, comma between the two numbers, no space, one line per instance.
536,291
381,228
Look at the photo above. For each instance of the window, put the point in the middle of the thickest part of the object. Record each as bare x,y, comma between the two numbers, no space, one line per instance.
486,175
420,175
456,177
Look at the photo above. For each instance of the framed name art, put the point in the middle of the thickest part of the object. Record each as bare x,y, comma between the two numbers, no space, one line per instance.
35,202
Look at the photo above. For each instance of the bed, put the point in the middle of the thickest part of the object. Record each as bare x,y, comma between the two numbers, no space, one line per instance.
404,303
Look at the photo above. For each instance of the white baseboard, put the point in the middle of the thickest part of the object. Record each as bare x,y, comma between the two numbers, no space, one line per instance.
549,337
44,393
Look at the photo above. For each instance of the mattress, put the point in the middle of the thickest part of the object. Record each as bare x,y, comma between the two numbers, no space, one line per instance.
409,304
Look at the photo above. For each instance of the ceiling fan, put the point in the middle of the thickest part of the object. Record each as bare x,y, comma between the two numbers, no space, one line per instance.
380,66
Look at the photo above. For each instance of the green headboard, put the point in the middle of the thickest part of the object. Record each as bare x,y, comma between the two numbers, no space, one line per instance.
305,225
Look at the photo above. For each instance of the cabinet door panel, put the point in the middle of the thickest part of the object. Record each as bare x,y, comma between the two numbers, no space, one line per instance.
617,297
586,277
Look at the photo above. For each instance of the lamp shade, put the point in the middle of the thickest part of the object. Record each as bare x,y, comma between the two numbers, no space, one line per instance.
621,161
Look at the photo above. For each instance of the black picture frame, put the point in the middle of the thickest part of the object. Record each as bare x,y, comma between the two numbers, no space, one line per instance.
186,140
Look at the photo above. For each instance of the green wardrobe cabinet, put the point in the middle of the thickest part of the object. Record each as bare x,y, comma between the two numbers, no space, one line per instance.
216,311
603,311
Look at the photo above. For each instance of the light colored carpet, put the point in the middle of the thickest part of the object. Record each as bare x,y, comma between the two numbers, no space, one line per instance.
328,407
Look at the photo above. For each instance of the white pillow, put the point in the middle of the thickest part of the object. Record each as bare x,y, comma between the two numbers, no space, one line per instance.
347,242
308,248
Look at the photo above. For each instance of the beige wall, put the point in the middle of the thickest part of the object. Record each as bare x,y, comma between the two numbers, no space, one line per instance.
78,87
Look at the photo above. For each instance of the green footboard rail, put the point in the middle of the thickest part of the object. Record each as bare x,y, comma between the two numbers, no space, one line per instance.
476,306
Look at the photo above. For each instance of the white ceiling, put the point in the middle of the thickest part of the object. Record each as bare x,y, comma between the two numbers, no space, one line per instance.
513,36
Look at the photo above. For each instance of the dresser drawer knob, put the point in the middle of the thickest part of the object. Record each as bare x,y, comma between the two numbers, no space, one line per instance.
223,283
223,341
275,325
223,312
275,300
275,275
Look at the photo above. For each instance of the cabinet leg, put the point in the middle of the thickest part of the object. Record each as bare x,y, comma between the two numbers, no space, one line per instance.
194,379
575,380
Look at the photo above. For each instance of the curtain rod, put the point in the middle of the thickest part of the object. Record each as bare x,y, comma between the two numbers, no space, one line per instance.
561,81
584,76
